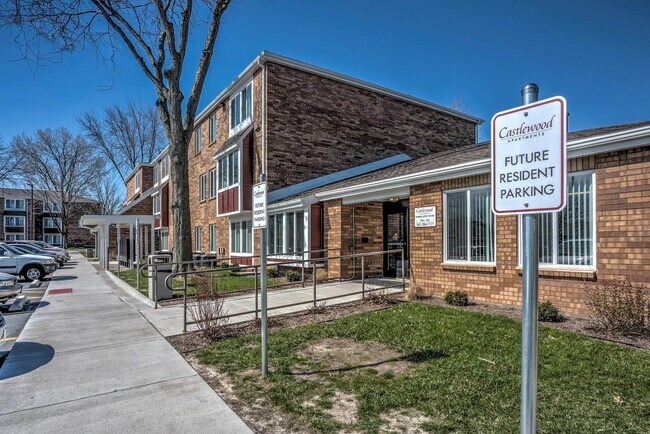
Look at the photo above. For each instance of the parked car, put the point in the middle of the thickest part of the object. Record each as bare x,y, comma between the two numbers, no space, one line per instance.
43,246
2,328
30,249
29,266
9,287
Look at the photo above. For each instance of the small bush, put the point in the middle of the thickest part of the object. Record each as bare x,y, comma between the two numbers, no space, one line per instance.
292,275
224,265
415,293
273,272
206,308
319,309
457,298
547,312
620,307
381,298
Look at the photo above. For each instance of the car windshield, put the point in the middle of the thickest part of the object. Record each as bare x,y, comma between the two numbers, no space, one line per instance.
12,249
21,249
24,247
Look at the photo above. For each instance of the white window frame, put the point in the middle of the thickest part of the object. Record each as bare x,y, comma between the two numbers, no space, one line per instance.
226,156
13,236
157,203
213,247
214,128
239,251
54,226
53,237
203,187
198,141
164,239
198,235
52,207
445,248
285,234
213,183
237,99
15,201
138,181
155,174
7,217
164,168
555,265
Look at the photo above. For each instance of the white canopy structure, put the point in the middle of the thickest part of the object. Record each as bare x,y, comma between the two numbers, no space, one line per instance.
100,225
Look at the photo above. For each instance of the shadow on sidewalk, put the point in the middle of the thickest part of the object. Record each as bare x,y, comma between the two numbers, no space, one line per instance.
30,356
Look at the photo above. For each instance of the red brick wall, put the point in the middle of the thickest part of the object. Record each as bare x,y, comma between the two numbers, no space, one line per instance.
318,126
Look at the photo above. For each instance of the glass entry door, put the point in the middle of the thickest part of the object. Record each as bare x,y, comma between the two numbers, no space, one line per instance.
396,225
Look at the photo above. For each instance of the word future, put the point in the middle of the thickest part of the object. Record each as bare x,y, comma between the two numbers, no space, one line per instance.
529,158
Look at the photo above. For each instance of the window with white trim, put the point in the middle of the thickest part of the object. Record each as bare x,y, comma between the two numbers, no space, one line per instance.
155,174
198,140
469,225
213,238
164,167
15,204
157,203
287,233
241,237
241,109
53,239
15,236
567,238
228,166
52,207
213,128
202,186
198,232
14,221
51,223
164,239
138,181
213,183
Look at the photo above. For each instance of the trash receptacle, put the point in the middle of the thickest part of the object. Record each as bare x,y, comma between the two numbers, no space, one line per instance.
209,261
162,270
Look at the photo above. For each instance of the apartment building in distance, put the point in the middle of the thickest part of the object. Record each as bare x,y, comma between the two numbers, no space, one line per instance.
18,223
350,164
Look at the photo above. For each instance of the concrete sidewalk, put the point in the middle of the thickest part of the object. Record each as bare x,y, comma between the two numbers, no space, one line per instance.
89,362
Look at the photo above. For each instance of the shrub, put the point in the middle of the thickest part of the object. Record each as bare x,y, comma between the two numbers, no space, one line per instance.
206,307
273,272
620,307
415,293
292,275
547,312
457,298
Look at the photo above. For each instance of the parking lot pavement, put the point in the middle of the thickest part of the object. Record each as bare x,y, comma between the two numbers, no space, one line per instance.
16,321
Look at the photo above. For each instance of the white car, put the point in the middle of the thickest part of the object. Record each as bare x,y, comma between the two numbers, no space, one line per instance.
32,267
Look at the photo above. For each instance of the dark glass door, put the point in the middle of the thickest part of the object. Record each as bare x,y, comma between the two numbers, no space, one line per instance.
396,225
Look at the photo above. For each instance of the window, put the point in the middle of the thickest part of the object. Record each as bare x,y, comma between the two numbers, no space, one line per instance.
53,239
198,139
51,223
241,109
164,168
287,233
164,239
202,186
155,174
52,207
213,128
15,221
157,204
198,231
228,166
213,183
213,238
15,204
15,237
566,238
469,225
137,181
241,237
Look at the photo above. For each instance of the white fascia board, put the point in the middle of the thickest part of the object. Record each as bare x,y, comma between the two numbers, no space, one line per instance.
577,148
383,195
292,205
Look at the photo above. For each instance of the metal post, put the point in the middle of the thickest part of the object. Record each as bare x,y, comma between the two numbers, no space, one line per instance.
184,300
130,245
529,308
257,308
302,266
117,250
137,253
403,272
363,277
263,247
313,273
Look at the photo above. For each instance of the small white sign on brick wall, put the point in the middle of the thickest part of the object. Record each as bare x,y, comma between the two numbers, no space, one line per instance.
425,217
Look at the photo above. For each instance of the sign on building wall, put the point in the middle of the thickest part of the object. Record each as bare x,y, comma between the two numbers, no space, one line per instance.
425,217
529,158
259,205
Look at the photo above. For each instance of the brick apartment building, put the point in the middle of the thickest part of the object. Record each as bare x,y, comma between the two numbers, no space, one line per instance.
16,218
349,164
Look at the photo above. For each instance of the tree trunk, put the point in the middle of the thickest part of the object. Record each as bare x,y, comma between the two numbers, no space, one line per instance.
180,198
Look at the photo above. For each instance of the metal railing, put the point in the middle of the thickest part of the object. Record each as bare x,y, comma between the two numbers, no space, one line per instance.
282,258
312,262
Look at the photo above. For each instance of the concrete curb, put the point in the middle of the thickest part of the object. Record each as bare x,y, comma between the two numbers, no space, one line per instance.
131,291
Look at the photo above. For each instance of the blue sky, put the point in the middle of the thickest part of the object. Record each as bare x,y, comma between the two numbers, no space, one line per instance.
595,53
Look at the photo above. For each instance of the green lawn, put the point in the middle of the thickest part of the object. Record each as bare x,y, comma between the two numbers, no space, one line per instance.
224,281
585,385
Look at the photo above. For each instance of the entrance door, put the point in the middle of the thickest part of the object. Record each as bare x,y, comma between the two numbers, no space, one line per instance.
396,224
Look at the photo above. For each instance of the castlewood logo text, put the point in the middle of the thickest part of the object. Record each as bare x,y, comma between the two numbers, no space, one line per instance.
524,131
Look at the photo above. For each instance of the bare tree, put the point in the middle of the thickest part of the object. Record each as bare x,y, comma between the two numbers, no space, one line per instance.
9,162
156,34
63,167
126,135
106,192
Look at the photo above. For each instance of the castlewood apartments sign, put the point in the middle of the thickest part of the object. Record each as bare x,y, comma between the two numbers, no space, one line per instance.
529,158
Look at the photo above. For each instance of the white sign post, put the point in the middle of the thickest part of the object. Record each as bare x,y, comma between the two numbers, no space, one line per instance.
259,205
259,222
425,217
529,177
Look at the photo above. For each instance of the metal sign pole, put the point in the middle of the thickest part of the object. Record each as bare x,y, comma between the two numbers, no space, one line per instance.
137,253
263,316
529,308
